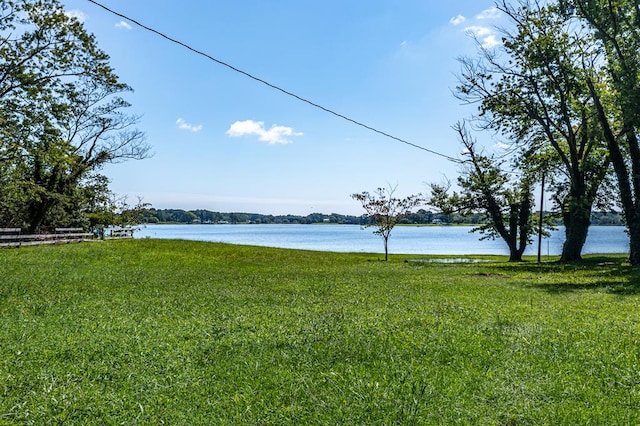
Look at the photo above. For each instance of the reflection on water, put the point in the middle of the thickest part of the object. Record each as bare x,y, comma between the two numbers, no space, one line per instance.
446,240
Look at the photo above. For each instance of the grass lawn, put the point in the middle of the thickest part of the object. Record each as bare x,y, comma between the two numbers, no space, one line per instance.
184,333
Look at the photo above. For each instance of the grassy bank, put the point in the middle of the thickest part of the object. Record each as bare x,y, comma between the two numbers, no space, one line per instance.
165,332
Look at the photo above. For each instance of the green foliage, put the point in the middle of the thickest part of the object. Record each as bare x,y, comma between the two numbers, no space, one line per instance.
153,215
614,25
419,217
386,211
176,332
108,210
62,118
486,188
533,89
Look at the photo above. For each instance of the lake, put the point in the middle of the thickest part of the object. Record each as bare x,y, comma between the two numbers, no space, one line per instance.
448,240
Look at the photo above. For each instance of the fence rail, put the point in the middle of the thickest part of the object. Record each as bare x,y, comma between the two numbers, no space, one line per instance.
121,233
13,237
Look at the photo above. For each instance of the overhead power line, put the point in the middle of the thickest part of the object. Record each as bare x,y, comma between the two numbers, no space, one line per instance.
271,85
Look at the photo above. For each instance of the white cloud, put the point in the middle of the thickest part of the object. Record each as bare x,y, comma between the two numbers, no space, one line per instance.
78,14
478,31
490,42
457,20
123,25
274,135
186,126
492,13
486,36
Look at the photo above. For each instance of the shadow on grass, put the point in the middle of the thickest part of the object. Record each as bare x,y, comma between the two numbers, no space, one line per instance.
617,287
611,274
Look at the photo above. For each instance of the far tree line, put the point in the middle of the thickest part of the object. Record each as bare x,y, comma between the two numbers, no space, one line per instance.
419,217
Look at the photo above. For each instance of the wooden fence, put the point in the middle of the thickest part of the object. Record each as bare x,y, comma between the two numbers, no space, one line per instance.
13,237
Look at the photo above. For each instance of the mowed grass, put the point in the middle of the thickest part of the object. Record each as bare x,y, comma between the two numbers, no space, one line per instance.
183,333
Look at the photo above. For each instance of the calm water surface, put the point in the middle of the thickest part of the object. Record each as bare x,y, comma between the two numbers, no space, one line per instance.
449,240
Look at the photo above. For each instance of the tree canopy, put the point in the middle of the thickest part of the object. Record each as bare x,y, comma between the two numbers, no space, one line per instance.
534,90
386,211
63,116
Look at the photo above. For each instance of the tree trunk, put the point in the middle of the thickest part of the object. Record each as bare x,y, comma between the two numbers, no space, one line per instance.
516,248
386,248
575,237
517,245
634,243
628,196
577,219
515,255
36,214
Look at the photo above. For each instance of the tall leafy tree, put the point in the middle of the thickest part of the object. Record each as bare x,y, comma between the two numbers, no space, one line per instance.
63,114
92,132
486,187
615,24
533,89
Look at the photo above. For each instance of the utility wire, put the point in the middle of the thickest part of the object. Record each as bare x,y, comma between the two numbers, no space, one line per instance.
273,86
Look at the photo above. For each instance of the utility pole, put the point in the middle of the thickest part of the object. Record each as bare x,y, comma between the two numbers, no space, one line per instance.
541,214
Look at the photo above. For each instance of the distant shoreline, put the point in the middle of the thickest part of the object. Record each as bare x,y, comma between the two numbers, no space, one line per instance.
421,217
354,224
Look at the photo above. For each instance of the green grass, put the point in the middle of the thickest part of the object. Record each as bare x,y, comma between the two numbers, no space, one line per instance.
167,332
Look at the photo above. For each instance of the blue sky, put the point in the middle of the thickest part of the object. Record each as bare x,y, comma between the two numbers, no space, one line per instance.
224,142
